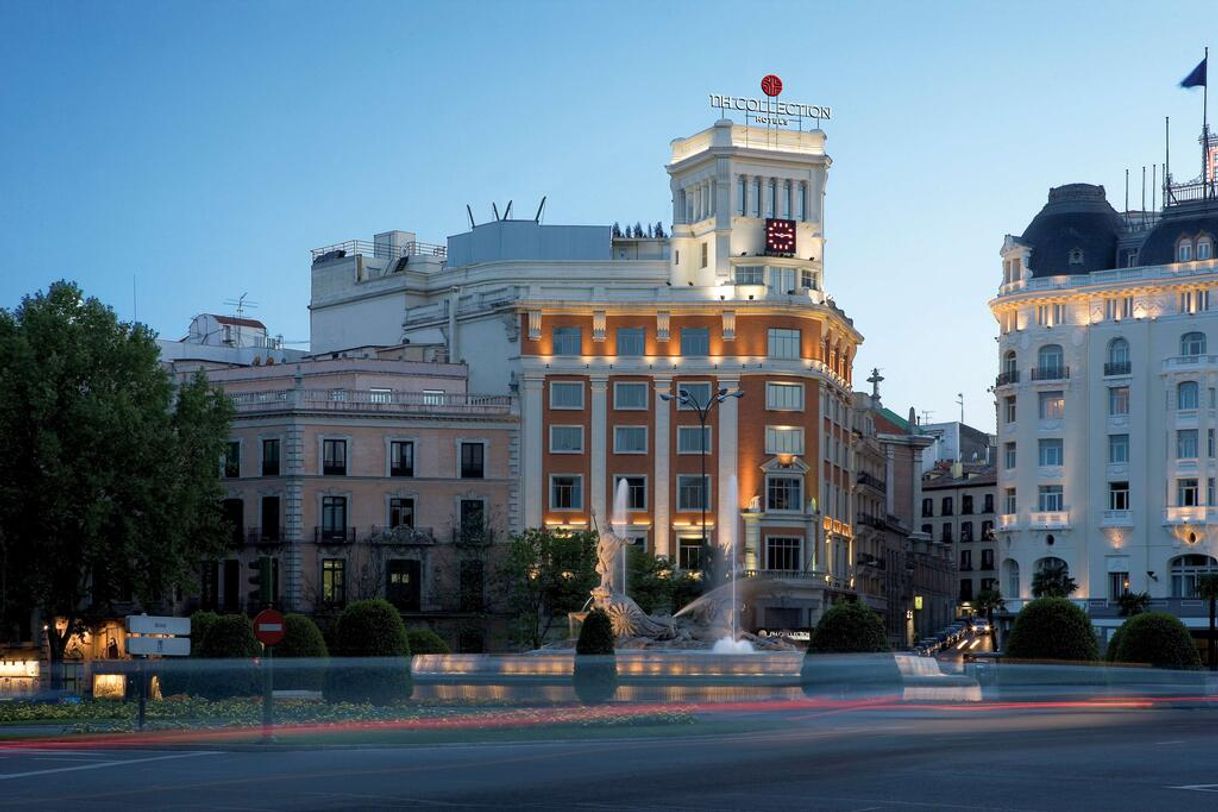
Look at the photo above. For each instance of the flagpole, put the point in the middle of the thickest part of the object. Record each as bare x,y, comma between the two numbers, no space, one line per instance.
1205,123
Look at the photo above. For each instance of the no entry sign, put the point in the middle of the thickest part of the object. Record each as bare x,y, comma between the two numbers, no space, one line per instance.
268,627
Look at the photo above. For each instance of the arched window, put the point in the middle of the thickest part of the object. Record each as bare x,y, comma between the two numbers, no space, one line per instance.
1192,344
1008,362
1118,351
1049,361
1186,570
1010,577
1205,248
1184,250
1187,395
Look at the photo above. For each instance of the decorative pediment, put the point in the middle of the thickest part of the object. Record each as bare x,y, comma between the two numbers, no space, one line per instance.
781,465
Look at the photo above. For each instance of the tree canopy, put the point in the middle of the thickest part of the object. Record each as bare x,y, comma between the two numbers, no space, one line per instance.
545,575
109,487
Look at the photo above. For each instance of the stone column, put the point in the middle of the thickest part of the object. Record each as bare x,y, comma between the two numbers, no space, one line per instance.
596,445
533,486
727,503
661,478
752,540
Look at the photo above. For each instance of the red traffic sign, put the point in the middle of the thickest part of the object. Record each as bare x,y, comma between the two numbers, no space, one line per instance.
771,85
269,627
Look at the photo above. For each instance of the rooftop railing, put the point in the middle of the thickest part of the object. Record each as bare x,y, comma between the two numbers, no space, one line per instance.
349,400
350,248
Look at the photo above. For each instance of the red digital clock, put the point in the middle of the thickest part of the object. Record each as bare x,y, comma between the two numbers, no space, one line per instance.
779,237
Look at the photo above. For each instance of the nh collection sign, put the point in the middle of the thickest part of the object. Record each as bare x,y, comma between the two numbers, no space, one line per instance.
770,110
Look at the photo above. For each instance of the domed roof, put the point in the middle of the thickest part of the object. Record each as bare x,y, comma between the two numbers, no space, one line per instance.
1075,233
1189,220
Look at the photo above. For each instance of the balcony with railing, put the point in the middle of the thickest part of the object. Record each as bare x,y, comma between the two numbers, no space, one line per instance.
1049,520
402,535
1113,368
1189,363
1050,373
1190,514
1116,518
258,536
377,250
1008,378
1007,521
333,535
870,562
350,401
867,479
871,520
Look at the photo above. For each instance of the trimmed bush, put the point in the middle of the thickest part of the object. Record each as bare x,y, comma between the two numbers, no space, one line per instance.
372,631
847,628
229,638
301,639
1159,639
200,622
1052,629
425,641
1114,644
595,673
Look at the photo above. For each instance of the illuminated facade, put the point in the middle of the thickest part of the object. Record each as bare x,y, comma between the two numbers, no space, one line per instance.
589,330
1106,405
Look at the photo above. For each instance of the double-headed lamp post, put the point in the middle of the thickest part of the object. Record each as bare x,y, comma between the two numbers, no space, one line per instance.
686,398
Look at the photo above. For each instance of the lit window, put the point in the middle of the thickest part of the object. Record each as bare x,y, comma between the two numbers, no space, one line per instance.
1118,400
1052,405
334,581
784,397
784,440
783,553
784,493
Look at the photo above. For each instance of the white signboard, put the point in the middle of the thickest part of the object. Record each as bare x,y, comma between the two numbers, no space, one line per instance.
159,646
151,624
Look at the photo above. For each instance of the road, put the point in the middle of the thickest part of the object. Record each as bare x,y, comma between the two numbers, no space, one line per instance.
907,758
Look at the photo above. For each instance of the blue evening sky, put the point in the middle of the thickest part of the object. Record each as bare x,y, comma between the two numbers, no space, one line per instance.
202,149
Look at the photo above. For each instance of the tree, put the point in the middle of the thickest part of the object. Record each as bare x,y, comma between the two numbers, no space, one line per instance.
1133,603
1159,639
1053,581
849,627
638,229
660,230
545,575
617,230
109,485
990,601
1207,587
649,580
373,656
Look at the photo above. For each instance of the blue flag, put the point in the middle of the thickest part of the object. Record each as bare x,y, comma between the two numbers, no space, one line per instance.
1197,77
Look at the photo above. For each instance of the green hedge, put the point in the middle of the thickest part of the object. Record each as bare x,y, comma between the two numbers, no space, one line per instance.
1052,629
1158,639
301,639
425,641
229,638
849,628
373,632
595,672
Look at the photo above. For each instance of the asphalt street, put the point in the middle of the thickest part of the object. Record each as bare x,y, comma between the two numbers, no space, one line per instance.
899,759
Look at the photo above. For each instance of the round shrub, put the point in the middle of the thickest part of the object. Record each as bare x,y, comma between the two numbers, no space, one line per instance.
425,641
1114,644
373,656
595,672
1052,629
849,627
229,638
1159,639
200,622
301,639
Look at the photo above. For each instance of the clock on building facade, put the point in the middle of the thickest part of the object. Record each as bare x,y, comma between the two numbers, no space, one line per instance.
779,237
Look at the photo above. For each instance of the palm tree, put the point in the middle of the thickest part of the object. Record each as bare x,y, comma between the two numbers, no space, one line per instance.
989,601
1053,581
1133,603
1207,587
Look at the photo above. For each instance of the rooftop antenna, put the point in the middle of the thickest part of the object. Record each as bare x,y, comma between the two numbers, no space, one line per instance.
1166,158
495,209
470,212
1127,194
240,303
1154,179
926,413
960,400
1143,189
508,210
537,217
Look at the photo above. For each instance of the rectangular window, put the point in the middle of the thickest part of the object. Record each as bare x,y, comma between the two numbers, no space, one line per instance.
783,553
568,341
401,512
987,530
380,396
1118,585
1050,452
1118,400
693,439
434,397
695,341
471,518
1118,496
334,518
232,459
784,440
1008,502
966,531
689,554
1052,405
566,394
946,534
270,458
782,343
693,492
987,559
567,492
1051,498
631,341
946,507
566,439
1209,491
1186,492
628,395
334,457
966,560
699,394
473,460
966,504
784,397
401,458
750,274
988,503
1118,448
782,280
1186,444
629,439
784,493
270,518
1008,409
807,279
636,491
334,581
1209,443
1008,456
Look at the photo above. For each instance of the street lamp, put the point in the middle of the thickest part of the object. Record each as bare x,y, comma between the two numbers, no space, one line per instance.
686,398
